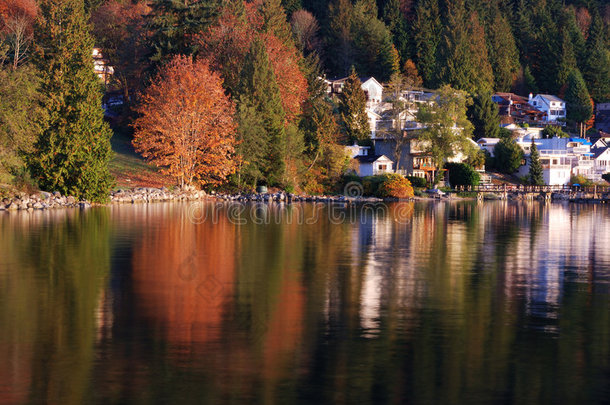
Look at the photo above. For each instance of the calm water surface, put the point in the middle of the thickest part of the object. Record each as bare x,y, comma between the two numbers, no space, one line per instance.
227,304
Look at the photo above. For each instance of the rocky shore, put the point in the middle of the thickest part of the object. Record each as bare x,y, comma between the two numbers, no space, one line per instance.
43,200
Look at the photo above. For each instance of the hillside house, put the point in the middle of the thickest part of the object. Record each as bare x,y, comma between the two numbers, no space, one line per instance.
101,67
553,106
513,108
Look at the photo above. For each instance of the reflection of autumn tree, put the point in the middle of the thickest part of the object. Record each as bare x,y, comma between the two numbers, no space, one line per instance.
49,327
183,274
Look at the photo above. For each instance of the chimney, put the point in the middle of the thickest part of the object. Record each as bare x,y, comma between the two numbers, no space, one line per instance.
530,98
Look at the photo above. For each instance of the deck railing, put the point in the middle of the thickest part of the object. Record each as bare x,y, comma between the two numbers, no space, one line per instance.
495,188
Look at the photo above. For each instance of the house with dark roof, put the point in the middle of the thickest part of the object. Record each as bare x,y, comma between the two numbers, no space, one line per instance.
517,109
372,165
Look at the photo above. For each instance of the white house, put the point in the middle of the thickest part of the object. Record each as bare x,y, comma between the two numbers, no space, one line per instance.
100,65
357,150
488,144
553,106
373,90
601,161
371,165
374,120
556,168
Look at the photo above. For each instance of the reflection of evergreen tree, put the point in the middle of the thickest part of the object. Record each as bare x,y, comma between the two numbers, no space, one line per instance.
67,266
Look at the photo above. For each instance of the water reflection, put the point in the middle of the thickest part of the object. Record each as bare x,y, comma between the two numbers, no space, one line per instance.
423,303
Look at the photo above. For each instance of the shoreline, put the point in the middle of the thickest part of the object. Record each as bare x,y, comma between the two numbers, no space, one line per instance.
42,200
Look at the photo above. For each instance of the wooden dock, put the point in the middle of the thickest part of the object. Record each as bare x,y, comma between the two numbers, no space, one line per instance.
594,194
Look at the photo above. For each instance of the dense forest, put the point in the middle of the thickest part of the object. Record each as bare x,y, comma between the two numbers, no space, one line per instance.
266,57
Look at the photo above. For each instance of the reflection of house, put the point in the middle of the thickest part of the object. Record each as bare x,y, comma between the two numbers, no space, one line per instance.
100,65
517,109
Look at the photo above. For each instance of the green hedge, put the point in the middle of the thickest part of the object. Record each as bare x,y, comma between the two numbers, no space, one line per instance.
417,181
460,174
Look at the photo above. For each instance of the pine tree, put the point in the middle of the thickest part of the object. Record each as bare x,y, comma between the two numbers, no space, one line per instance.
567,62
578,100
375,53
525,37
258,89
397,24
535,173
427,36
503,53
484,117
530,82
596,69
462,59
352,110
340,46
275,22
72,153
546,66
173,23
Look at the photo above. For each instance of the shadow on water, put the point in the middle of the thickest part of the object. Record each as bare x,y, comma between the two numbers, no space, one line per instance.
226,303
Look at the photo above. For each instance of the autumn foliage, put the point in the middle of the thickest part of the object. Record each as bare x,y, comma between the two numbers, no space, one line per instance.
227,43
396,186
185,124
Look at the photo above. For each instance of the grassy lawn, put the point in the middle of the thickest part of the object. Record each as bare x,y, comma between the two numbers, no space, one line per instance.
130,169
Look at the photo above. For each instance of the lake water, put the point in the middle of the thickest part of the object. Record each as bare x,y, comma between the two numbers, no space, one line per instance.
423,303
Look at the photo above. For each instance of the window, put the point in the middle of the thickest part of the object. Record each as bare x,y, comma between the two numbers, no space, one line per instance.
383,167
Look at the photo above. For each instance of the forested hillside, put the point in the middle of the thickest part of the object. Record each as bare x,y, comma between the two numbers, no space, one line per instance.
267,57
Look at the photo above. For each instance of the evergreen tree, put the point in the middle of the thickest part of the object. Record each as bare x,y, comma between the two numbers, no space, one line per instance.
597,62
427,36
535,173
375,53
567,62
397,24
73,151
275,22
258,90
462,59
503,54
545,67
529,81
173,23
578,100
597,73
290,6
570,26
352,110
525,37
484,117
340,47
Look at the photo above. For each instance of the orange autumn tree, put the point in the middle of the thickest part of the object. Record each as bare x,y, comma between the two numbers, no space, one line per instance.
185,124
